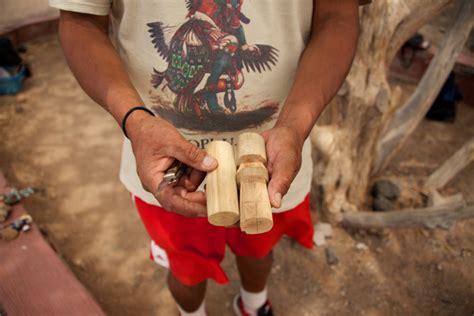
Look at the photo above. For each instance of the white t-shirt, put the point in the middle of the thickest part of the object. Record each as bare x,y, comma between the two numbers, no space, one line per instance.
213,68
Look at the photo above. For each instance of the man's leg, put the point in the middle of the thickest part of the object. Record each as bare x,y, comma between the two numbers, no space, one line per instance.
188,298
254,274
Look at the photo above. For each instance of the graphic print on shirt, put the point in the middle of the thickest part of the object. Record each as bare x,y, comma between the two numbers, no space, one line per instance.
207,56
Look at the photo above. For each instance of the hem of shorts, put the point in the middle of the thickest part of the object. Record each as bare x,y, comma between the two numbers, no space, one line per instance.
310,246
303,244
222,281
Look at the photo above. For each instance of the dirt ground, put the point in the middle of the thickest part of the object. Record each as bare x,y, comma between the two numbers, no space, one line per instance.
53,136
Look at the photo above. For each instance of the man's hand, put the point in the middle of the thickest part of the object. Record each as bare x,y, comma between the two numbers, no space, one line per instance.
156,144
321,71
284,148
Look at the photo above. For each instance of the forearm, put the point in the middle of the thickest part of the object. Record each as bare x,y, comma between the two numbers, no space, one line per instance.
96,64
322,69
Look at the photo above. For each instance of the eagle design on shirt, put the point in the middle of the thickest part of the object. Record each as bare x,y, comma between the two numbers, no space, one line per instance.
211,41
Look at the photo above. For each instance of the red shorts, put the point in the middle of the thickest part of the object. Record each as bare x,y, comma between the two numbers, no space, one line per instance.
193,249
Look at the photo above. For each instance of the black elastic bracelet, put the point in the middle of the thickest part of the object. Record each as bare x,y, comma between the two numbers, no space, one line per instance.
124,120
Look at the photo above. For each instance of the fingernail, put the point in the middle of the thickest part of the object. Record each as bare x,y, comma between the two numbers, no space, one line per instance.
209,162
277,198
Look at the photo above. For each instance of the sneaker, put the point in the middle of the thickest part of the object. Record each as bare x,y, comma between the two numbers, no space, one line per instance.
239,310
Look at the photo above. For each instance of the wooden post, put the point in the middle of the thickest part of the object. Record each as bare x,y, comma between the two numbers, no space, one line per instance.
221,186
252,178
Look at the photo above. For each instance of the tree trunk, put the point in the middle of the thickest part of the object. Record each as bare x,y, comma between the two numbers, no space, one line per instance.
348,132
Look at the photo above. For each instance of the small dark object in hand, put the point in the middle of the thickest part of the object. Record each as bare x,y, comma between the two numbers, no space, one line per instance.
174,172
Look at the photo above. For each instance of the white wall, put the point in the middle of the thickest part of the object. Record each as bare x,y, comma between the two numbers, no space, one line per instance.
16,13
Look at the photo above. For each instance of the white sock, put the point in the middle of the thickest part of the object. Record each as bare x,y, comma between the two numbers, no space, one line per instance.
201,311
253,301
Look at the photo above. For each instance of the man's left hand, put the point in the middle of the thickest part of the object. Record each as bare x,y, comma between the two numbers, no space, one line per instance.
284,149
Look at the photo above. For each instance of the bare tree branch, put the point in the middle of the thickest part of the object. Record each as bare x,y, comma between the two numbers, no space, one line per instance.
451,167
407,118
443,216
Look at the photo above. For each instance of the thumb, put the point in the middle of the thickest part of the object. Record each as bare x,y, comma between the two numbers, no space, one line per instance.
282,175
194,156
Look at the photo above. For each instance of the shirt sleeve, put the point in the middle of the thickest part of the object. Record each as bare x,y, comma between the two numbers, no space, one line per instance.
95,7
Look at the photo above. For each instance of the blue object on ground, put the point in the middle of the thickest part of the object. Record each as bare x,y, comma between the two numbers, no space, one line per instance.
13,84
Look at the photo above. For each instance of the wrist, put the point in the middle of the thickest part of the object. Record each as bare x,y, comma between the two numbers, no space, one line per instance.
133,121
297,138
295,128
298,117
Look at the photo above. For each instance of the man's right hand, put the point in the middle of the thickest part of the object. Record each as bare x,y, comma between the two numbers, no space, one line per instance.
156,144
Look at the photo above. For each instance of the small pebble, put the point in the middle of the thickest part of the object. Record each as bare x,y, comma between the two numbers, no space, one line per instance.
276,268
465,253
331,257
387,189
361,246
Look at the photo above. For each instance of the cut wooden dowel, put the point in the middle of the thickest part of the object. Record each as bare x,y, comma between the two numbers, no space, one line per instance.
221,186
251,148
252,178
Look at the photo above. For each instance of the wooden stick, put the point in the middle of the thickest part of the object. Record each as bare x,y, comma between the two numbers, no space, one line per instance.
436,199
252,177
221,187
431,217
451,167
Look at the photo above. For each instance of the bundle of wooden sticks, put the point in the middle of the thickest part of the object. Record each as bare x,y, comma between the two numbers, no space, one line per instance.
249,175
